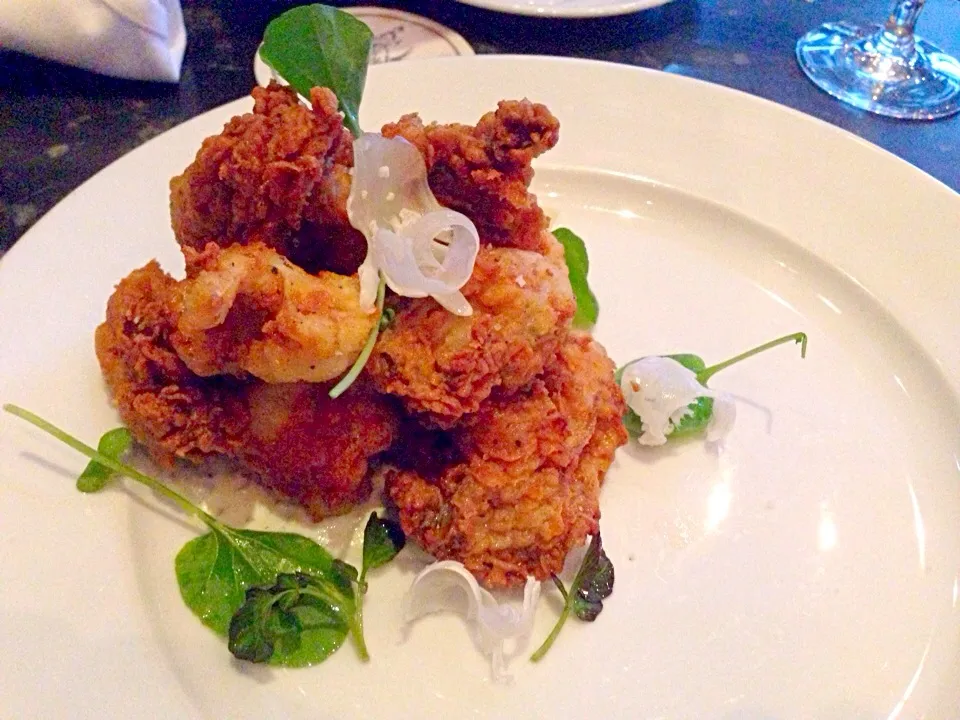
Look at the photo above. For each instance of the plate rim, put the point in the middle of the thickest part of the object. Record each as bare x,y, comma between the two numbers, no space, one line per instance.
222,111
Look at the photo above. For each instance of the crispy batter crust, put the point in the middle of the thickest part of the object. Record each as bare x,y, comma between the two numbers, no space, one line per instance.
247,309
525,489
444,366
293,437
501,425
278,175
484,170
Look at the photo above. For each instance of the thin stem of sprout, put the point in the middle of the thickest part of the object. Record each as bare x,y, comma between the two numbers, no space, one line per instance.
542,650
356,629
560,587
115,465
347,380
704,375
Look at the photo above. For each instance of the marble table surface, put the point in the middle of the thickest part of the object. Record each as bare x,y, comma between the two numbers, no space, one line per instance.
58,125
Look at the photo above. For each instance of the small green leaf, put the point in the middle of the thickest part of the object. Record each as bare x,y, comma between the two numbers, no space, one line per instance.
382,540
113,444
320,46
294,622
387,317
689,361
249,637
215,570
701,411
592,585
578,265
594,582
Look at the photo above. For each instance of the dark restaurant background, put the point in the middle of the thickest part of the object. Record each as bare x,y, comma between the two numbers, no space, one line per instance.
60,125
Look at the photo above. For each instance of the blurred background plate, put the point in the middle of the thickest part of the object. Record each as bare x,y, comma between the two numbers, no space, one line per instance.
397,35
566,8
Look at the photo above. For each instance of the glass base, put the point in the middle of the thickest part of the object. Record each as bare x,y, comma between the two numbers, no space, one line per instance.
848,62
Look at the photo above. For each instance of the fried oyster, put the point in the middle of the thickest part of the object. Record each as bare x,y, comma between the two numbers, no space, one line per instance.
501,424
522,480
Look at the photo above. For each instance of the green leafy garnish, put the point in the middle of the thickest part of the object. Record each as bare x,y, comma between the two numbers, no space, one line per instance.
575,253
592,585
238,582
701,410
113,444
216,571
299,620
321,46
382,540
303,618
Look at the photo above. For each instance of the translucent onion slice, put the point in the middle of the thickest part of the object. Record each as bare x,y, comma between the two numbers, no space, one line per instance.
422,248
660,390
447,586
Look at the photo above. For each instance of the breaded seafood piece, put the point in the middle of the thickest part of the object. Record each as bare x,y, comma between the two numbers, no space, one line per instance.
444,366
525,488
279,176
484,170
167,408
293,438
247,309
314,449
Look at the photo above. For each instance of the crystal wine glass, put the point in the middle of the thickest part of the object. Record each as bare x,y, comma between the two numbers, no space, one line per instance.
884,69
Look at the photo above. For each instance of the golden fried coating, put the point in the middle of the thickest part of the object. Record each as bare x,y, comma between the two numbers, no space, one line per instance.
167,408
247,309
523,487
278,175
444,366
317,450
484,171
292,437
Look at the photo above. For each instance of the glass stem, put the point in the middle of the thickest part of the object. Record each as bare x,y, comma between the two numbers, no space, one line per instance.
896,38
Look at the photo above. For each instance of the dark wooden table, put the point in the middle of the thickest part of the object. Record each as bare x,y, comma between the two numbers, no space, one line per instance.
59,125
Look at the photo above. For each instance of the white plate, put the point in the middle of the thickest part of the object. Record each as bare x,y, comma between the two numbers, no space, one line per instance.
809,571
397,35
566,8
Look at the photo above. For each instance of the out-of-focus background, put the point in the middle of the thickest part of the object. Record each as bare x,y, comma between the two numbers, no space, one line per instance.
60,125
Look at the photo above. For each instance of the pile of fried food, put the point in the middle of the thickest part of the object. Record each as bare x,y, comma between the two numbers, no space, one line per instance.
496,428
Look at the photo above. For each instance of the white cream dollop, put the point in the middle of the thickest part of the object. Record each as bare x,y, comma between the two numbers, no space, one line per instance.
420,247
448,586
660,390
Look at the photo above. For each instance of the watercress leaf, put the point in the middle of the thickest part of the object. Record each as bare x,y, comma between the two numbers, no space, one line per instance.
592,585
594,582
701,412
249,637
317,45
689,361
382,540
294,622
344,573
214,570
632,422
575,253
113,443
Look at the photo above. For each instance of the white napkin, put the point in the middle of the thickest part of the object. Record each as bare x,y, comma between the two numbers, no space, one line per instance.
138,39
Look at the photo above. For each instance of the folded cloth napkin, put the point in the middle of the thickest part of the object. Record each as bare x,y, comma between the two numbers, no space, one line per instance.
139,39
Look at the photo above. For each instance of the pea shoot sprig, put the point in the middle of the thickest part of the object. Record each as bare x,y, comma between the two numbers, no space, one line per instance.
592,585
668,397
279,597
